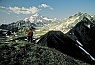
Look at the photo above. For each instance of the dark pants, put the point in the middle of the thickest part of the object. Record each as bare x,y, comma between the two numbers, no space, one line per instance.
29,38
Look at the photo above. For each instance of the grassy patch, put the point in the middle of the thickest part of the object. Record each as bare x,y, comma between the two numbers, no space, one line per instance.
32,54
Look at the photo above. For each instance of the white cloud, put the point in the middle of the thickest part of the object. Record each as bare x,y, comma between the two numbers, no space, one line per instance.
45,6
5,9
23,10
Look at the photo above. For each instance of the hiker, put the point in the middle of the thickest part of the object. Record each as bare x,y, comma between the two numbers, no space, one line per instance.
30,35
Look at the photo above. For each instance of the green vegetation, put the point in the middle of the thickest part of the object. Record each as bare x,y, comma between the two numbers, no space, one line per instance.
24,53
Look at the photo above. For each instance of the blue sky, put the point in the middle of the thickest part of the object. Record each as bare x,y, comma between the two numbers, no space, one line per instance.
14,10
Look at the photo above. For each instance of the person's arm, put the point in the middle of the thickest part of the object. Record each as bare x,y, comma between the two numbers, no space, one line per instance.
28,33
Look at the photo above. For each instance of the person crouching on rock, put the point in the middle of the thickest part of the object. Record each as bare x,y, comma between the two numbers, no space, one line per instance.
30,35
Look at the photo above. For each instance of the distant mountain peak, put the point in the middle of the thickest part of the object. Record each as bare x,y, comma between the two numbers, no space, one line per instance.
70,22
35,15
38,19
78,14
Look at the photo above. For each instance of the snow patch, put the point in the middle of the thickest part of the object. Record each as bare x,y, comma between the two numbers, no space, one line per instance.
26,19
85,50
35,15
37,40
31,19
87,53
79,43
88,26
45,18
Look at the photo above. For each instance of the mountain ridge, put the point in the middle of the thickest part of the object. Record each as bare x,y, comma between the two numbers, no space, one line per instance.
76,43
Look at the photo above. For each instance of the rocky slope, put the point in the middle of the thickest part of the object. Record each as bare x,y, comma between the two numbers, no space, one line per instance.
64,26
83,34
70,22
78,42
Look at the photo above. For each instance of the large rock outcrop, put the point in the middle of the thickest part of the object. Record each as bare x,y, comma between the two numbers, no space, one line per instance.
78,42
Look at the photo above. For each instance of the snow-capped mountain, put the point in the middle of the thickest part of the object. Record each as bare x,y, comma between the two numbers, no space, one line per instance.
70,22
44,24
64,26
35,21
39,20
